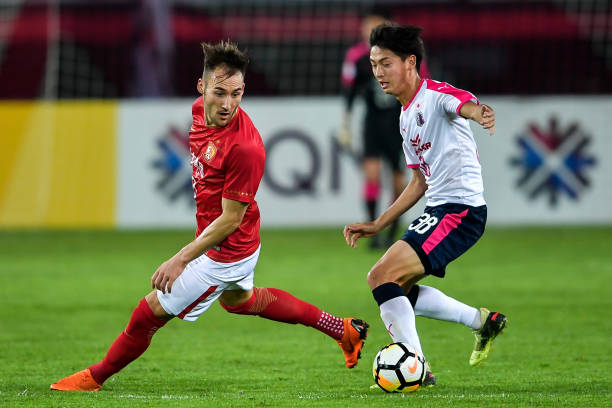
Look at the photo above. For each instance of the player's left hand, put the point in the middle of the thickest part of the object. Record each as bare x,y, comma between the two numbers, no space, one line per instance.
488,118
166,274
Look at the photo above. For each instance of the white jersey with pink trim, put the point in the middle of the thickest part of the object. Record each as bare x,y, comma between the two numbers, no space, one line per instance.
440,142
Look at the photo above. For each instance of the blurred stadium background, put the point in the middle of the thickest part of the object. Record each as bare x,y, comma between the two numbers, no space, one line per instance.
71,49
94,104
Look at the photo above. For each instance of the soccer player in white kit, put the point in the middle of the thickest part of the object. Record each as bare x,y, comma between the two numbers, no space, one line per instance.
440,149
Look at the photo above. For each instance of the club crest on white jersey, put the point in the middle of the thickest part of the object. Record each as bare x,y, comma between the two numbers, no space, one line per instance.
420,119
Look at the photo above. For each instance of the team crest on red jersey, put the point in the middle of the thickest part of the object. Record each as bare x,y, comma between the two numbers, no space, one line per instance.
210,152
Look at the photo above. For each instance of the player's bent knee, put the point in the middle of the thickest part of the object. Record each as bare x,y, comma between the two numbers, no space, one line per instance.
238,302
156,307
377,276
242,308
381,273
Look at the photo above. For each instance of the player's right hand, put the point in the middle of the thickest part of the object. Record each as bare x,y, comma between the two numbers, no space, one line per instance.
166,274
488,118
344,136
361,229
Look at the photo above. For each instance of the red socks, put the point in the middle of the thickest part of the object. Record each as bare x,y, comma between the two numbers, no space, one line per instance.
270,303
281,306
130,344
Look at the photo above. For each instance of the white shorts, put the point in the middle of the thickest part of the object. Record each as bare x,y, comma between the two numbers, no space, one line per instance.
203,281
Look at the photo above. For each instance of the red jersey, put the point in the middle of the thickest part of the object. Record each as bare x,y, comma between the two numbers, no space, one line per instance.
228,162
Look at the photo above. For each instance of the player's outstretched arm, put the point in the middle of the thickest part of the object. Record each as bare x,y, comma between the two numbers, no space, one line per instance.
411,194
483,114
217,231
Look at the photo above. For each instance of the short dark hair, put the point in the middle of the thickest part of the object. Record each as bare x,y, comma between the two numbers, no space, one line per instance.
226,54
402,40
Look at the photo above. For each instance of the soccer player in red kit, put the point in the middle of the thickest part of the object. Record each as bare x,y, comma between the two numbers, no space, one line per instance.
227,156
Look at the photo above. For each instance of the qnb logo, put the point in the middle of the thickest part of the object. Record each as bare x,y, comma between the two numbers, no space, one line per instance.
173,166
554,161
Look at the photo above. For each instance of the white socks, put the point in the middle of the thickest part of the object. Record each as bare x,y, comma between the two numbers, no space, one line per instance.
399,319
399,316
434,304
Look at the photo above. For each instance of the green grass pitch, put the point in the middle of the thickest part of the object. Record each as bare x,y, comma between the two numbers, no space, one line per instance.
65,296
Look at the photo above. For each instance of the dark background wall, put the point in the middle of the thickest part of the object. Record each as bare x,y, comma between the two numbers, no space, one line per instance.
150,48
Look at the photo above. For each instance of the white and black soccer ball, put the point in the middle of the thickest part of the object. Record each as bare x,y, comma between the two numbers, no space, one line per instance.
398,368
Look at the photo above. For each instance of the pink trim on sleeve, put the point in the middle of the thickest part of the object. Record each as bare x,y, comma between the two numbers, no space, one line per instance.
443,87
412,166
461,104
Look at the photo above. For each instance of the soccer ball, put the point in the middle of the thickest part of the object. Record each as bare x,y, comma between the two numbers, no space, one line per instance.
398,368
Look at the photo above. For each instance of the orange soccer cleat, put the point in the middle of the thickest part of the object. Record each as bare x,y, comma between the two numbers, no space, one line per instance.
81,381
355,332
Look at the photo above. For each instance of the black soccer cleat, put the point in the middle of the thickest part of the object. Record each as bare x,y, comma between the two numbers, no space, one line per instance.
493,325
430,379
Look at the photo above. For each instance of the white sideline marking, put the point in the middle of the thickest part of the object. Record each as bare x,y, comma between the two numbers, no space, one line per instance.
176,397
459,396
421,394
318,396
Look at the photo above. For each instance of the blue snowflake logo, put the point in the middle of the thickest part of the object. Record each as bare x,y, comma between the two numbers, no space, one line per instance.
554,161
174,167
